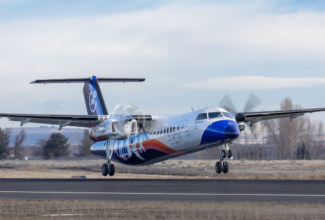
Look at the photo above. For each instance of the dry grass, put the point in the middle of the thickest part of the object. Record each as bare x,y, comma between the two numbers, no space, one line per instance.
171,169
43,209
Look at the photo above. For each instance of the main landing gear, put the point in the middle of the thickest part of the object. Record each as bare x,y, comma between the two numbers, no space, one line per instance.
108,167
223,166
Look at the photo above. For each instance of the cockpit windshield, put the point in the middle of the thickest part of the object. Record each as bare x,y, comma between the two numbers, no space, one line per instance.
202,116
226,114
215,115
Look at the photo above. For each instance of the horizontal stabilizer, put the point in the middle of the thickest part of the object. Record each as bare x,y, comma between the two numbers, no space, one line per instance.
85,80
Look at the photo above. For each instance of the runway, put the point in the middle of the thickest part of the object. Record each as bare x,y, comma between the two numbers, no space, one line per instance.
311,191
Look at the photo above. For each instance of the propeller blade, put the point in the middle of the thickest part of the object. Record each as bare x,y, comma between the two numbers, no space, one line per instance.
252,102
226,103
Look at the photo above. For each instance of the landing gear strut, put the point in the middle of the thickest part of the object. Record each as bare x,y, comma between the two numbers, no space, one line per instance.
223,166
108,167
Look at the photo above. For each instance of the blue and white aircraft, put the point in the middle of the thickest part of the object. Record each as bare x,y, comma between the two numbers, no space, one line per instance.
146,139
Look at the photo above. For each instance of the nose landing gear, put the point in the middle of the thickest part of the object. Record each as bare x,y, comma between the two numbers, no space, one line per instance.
223,166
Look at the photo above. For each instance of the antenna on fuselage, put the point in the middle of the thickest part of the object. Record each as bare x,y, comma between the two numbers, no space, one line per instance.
192,109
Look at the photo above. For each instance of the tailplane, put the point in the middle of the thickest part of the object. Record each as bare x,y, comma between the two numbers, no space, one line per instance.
94,100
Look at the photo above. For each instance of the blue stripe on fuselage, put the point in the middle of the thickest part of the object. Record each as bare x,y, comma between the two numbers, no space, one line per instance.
220,131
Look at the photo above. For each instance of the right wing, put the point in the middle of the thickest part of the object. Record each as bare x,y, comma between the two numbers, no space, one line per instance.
254,117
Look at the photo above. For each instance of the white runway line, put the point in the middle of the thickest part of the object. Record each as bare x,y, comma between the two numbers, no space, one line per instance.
169,194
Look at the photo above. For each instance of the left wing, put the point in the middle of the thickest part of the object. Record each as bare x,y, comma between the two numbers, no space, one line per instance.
86,121
61,120
254,117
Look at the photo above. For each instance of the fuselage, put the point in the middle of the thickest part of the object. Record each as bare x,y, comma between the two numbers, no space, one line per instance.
169,136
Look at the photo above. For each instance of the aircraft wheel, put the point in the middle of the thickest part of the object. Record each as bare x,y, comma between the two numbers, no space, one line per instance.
229,154
218,167
223,154
225,167
104,169
111,169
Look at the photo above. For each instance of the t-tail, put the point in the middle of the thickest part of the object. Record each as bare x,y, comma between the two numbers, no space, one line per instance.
94,100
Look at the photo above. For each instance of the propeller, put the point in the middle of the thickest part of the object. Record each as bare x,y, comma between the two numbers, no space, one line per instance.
123,114
252,102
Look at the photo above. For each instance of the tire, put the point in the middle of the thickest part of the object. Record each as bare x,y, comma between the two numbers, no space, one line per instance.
223,154
111,170
225,167
229,154
104,169
218,167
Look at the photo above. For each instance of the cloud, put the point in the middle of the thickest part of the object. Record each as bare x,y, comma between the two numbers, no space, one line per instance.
169,44
255,83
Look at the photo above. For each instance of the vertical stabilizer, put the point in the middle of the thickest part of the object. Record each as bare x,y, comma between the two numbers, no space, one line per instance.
94,100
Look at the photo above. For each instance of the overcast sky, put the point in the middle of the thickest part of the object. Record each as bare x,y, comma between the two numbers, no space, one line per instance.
190,52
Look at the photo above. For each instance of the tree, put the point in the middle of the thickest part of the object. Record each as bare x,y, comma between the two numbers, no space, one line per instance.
39,150
18,145
284,132
302,153
4,143
55,146
287,133
84,146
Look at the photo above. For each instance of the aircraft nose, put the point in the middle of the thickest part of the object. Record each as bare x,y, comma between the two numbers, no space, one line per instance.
220,131
232,132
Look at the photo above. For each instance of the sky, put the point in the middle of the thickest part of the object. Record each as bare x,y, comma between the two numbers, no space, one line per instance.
190,52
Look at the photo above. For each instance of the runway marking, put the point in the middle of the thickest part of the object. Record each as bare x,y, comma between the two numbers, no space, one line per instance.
171,194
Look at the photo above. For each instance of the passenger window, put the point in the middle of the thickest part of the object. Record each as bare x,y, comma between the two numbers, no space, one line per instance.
167,130
215,115
226,114
164,131
177,128
173,128
202,116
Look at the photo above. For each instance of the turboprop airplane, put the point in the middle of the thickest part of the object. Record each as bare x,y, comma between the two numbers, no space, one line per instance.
146,139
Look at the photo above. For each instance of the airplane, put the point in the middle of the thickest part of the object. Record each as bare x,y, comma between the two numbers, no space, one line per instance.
141,139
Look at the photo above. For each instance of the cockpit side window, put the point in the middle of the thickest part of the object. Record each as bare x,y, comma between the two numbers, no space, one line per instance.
215,115
226,114
202,116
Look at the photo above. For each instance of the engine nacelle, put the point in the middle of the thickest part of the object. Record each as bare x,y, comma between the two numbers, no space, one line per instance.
113,129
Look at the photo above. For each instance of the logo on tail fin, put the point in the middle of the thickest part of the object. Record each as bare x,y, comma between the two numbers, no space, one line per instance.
92,101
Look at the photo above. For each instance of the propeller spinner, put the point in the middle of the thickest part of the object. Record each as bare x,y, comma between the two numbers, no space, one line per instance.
252,102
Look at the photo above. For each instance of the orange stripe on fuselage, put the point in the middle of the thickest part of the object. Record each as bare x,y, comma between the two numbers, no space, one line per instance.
157,145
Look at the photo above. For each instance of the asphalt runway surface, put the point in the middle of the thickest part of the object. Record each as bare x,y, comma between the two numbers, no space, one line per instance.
284,191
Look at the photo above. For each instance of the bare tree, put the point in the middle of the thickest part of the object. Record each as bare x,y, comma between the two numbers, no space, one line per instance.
85,144
284,132
39,149
289,134
18,145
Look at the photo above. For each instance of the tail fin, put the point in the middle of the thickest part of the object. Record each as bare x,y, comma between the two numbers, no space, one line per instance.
94,100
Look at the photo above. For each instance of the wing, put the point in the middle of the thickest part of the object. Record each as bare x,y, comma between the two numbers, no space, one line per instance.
61,120
254,117
86,121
